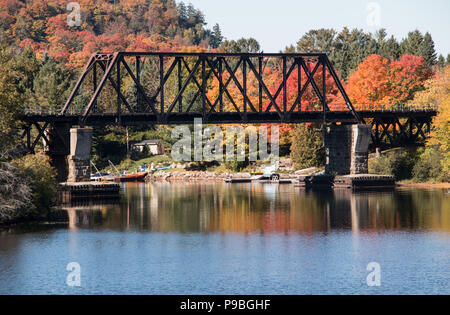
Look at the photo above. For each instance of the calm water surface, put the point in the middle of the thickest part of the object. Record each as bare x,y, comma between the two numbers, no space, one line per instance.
237,239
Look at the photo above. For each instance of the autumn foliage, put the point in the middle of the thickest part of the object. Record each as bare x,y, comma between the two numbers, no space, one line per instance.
106,26
382,82
437,93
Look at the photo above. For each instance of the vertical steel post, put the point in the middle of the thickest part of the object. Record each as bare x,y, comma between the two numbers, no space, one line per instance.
220,84
284,86
118,87
299,85
161,81
244,82
180,86
260,65
94,79
138,79
324,91
203,85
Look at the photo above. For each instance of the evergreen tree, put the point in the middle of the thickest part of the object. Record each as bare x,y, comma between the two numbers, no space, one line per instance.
427,50
448,59
216,37
52,85
350,48
243,45
26,66
412,44
441,61
317,41
390,49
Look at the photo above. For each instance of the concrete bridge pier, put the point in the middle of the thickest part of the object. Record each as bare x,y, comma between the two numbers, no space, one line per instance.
58,148
347,149
79,168
69,150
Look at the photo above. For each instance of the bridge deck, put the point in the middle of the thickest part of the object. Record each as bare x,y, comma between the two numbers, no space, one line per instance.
227,118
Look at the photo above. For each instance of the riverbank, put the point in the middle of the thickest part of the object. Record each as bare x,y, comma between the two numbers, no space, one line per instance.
55,216
201,175
424,185
220,176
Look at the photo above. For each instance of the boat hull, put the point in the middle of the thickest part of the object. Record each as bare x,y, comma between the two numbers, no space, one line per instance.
138,177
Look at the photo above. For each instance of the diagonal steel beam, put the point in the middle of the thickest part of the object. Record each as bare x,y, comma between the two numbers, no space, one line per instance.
117,88
99,89
264,87
283,83
342,90
236,81
186,83
78,84
224,88
139,87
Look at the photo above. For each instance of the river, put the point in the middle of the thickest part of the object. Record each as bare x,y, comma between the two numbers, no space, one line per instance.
216,238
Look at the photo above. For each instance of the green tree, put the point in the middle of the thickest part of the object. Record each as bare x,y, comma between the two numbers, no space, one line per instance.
412,44
350,48
16,77
243,45
216,37
307,148
52,85
441,61
320,40
389,49
427,50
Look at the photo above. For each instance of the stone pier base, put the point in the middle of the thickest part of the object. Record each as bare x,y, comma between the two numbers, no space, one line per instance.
79,169
347,149
80,155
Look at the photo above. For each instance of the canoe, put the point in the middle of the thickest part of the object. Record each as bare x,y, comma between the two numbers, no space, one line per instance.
136,177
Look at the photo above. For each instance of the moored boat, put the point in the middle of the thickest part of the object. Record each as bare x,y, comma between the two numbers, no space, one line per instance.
136,177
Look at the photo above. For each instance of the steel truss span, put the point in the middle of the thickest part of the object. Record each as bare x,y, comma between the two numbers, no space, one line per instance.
150,88
188,77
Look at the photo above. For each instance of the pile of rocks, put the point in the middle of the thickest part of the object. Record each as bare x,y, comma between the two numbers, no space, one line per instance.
198,176
185,176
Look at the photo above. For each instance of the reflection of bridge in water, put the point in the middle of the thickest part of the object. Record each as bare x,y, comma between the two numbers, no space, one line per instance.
212,208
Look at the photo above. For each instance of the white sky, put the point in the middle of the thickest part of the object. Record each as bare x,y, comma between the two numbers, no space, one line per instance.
279,23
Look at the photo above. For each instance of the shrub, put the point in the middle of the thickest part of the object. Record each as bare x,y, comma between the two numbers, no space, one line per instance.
307,148
428,166
15,193
42,180
399,163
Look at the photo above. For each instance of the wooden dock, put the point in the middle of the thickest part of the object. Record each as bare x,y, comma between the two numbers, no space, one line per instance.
355,182
74,192
364,182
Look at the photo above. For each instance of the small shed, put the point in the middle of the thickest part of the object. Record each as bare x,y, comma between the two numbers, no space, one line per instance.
155,147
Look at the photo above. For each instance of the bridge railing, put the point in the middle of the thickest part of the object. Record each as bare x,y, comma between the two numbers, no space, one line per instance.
35,109
394,107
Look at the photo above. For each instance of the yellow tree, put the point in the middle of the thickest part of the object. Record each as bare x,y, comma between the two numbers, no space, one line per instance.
437,93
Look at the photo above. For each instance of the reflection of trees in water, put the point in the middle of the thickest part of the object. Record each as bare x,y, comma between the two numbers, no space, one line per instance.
244,208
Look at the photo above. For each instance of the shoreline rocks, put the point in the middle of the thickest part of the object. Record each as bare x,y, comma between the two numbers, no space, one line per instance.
197,176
